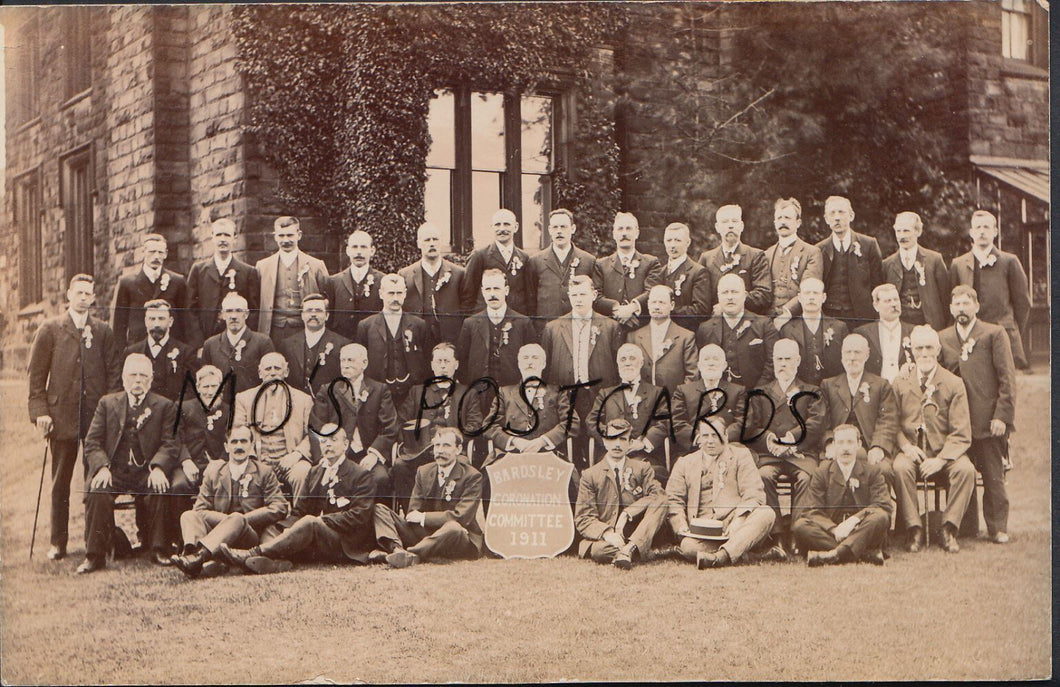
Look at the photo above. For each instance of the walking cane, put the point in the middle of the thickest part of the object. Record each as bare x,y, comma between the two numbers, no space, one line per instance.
921,441
40,489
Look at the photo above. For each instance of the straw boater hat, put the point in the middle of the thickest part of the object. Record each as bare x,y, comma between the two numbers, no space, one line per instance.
707,528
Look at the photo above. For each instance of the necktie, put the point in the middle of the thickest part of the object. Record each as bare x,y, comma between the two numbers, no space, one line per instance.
976,274
923,383
618,482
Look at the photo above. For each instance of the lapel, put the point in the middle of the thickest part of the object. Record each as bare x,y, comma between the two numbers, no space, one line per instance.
347,281
552,262
482,328
223,495
566,332
594,323
615,264
123,410
417,280
68,327
836,478
213,274
269,267
844,394
668,336
494,253
739,325
694,482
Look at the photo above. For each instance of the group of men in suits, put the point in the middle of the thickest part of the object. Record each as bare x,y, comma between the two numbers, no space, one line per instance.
783,349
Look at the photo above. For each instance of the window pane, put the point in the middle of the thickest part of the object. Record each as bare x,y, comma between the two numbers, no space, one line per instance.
1039,267
441,127
535,191
485,200
437,201
487,132
1018,39
536,112
1006,30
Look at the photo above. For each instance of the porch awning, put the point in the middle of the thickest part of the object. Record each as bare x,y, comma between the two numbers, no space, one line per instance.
1028,176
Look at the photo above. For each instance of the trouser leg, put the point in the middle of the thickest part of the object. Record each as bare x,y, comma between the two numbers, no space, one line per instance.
690,547
812,533
99,523
769,474
988,455
800,486
180,499
231,529
745,531
196,524
310,537
961,476
391,530
651,521
450,540
868,535
64,457
905,477
602,552
151,510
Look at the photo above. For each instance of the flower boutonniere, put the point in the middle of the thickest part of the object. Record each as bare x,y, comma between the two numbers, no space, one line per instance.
742,328
239,349
363,396
920,273
212,418
328,348
855,247
854,483
829,334
515,265
303,273
720,477
172,355
733,262
442,280
667,345
677,284
864,389
244,484
633,265
86,335
594,333
906,344
574,263
539,399
142,419
231,274
966,349
715,402
634,408
504,333
163,283
929,391
627,479
368,281
448,489
989,262
409,347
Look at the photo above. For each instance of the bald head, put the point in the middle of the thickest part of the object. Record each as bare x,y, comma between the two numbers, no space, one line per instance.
732,294
855,354
272,367
504,226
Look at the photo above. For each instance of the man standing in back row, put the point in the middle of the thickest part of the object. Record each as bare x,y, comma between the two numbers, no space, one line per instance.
286,277
853,266
734,257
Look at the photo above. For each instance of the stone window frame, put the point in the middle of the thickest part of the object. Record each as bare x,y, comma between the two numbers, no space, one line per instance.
28,215
23,73
77,199
461,208
1034,20
77,46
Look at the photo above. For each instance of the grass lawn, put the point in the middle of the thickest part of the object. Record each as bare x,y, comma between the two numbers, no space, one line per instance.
982,614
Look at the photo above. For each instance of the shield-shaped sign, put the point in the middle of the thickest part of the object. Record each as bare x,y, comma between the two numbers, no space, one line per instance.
530,513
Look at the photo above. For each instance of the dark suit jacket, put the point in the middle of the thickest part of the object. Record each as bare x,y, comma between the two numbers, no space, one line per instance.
812,411
311,281
350,516
1003,291
551,279
988,372
473,347
601,500
157,438
806,260
694,292
176,360
517,273
866,273
829,347
457,501
438,410
670,367
686,407
615,285
754,347
134,290
558,341
871,331
949,429
753,268
827,488
447,299
877,412
610,404
348,301
372,334
263,505
515,413
207,288
374,416
318,374
934,293
67,378
218,351
202,434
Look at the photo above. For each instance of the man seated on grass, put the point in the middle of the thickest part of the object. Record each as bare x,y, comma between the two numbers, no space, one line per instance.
331,520
620,505
441,519
239,501
849,507
719,482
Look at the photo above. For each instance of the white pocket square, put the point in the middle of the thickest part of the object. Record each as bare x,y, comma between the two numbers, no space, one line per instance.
755,342
342,502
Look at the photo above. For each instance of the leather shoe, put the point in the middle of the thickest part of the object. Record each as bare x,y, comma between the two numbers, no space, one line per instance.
91,565
775,553
916,540
949,540
1000,538
212,569
263,565
873,557
400,558
190,564
623,560
816,559
56,553
236,558
377,557
160,557
704,560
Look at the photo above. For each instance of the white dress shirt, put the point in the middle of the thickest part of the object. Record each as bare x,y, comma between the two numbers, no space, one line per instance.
890,349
